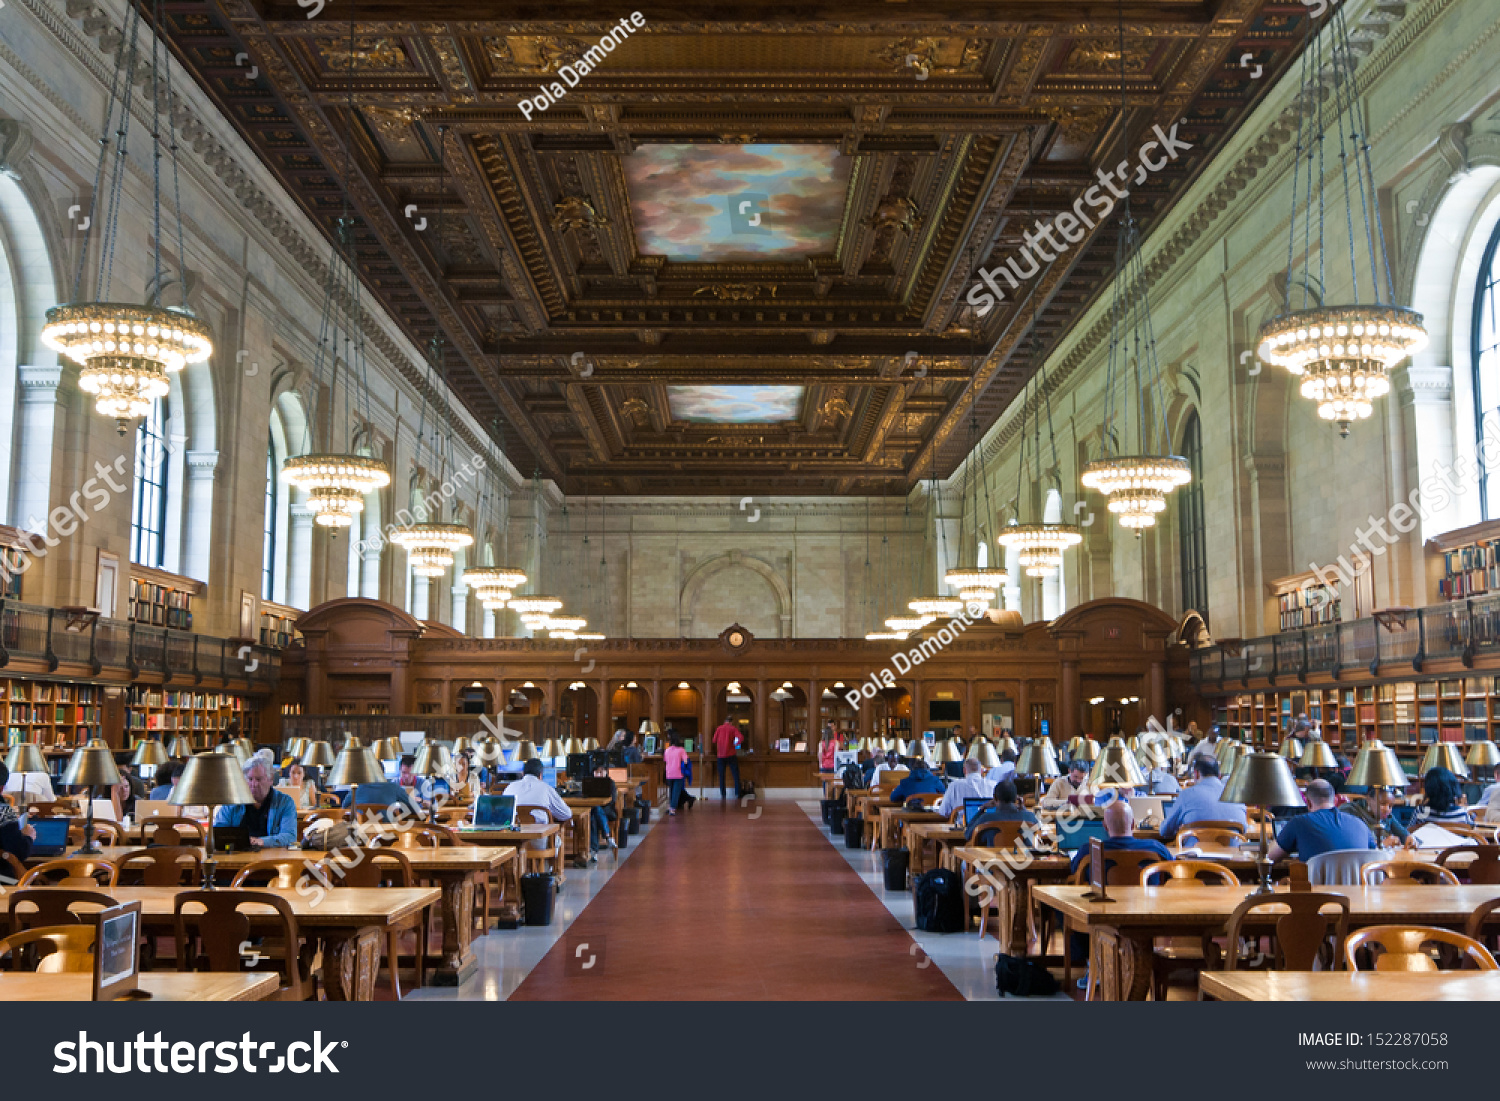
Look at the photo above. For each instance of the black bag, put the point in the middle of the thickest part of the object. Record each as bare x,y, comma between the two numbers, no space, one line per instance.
644,809
854,778
633,820
827,806
939,898
896,863
1023,978
854,832
837,815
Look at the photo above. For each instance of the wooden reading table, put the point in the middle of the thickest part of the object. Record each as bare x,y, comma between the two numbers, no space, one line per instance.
163,986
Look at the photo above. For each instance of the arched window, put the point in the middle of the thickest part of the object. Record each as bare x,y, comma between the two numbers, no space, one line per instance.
148,519
1190,527
273,513
1485,361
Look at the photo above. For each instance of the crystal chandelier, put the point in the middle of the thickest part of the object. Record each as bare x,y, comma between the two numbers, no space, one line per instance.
534,605
1135,484
934,607
126,351
1041,546
569,623
335,484
429,547
905,624
1342,353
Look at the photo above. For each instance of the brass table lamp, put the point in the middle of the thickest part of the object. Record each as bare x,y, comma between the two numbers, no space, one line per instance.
1318,755
982,751
212,780
1291,748
552,749
1037,760
387,749
1116,767
1377,767
1445,755
462,744
1084,749
180,748
355,765
296,747
948,751
525,750
91,766
1483,755
318,755
1263,780
150,752
23,758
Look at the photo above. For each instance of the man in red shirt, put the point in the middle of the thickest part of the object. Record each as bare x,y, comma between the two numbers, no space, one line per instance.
727,741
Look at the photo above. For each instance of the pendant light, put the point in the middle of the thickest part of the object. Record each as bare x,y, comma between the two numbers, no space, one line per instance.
1342,352
536,607
976,584
934,606
336,482
493,585
125,350
1136,483
431,544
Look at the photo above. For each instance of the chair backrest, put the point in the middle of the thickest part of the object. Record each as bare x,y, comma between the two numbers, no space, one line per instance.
107,832
173,832
1340,868
1188,873
1483,868
164,865
1301,931
1406,948
223,930
56,808
1199,834
1479,919
30,909
926,798
893,776
1405,871
1216,824
424,837
1122,867
69,949
327,800
999,835
370,868
281,874
72,871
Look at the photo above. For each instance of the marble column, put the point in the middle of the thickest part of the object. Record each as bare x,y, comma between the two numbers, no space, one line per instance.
33,473
369,572
488,630
459,597
197,536
299,572
421,588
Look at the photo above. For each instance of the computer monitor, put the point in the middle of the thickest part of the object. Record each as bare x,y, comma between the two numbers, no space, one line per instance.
578,765
598,759
1473,792
51,836
973,808
495,811
392,769
549,775
1077,835
616,758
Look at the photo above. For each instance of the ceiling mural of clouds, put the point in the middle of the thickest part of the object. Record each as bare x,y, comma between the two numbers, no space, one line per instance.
734,404
714,203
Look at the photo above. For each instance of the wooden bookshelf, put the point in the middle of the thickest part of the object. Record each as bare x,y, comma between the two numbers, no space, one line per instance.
1468,561
162,599
50,713
278,625
1303,601
196,715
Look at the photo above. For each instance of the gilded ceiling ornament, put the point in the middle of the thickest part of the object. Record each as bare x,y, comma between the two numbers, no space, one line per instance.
894,211
576,212
1079,123
736,139
636,409
499,51
911,53
834,408
552,53
1099,55
737,292
368,53
393,123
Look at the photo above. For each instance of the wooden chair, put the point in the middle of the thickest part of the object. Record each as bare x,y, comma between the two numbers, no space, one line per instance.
1300,932
1483,868
1122,868
1217,824
11,867
222,929
72,871
107,833
70,949
1182,953
280,875
425,836
164,866
54,906
55,808
1475,927
1404,948
383,868
173,832
327,800
1199,834
1405,871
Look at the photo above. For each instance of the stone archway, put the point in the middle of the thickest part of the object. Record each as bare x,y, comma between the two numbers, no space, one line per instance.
744,589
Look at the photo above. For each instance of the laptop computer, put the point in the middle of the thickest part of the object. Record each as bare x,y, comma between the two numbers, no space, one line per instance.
620,775
494,812
155,808
1149,810
51,837
597,787
1079,834
231,839
973,808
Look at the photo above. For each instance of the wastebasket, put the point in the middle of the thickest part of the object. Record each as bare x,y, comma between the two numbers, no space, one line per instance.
538,895
633,820
836,819
896,863
854,832
827,808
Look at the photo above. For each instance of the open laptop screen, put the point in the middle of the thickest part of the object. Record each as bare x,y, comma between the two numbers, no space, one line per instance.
495,811
51,836
1079,834
973,808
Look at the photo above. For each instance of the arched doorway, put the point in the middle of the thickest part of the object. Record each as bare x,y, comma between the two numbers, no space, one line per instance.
474,699
629,703
834,708
891,716
787,717
579,705
524,699
682,710
735,703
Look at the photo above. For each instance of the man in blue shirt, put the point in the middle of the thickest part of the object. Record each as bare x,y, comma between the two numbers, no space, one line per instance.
919,781
272,818
1322,829
1119,824
1200,803
1005,806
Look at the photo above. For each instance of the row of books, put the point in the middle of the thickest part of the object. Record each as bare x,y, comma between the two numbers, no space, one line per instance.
160,606
27,692
1311,607
194,701
50,715
1457,586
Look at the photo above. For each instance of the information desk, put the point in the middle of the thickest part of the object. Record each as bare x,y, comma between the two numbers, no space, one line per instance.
163,986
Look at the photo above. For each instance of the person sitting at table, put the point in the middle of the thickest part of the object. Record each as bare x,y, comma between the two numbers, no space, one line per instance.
974,785
165,780
1323,829
919,781
15,838
387,794
297,776
1442,801
1005,770
632,751
406,772
604,816
1067,789
1005,806
1207,746
463,785
538,799
272,818
878,764
1119,825
1200,802
1396,833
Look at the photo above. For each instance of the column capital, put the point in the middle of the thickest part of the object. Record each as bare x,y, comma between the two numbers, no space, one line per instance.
1425,385
301,514
202,463
39,384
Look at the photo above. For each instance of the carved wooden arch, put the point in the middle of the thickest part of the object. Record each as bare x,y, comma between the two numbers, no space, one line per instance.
706,569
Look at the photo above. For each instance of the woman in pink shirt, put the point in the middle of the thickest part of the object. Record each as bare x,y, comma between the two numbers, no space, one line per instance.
676,758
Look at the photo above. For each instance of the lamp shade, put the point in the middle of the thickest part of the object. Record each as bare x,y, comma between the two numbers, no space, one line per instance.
552,749
246,746
1262,780
1037,759
180,748
648,727
1483,754
1377,766
1444,755
211,780
295,747
570,746
948,751
1291,748
462,744
1176,747
150,752
1007,744
1152,754
526,751
25,757
317,754
1115,767
92,766
432,760
983,752
1084,749
233,750
387,749
1317,754
1228,756
589,745
355,765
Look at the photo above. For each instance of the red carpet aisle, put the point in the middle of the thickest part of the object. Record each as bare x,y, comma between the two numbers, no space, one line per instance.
720,905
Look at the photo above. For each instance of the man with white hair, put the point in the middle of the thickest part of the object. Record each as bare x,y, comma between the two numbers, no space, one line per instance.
974,785
272,818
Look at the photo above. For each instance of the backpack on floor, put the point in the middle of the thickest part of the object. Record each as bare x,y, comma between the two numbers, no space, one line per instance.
1023,978
854,779
939,898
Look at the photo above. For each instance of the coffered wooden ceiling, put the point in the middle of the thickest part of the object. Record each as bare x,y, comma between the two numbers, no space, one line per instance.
908,140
